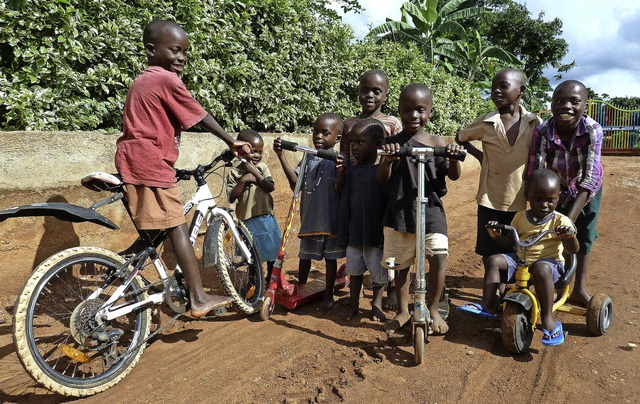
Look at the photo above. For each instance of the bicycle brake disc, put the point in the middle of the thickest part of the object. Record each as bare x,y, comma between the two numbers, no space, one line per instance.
176,296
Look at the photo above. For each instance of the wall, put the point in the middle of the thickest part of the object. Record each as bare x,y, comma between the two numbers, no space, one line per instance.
51,160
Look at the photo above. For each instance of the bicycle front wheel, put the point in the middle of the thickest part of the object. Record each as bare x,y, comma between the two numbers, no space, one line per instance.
242,281
60,341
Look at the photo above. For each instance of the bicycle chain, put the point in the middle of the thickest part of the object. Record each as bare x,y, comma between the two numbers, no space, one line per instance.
153,334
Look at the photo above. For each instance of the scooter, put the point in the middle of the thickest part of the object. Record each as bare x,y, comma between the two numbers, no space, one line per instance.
421,318
281,291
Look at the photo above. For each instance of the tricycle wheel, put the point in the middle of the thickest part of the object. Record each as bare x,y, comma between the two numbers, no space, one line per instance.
418,344
266,309
517,330
599,314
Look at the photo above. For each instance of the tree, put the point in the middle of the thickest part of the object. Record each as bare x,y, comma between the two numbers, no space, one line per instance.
426,26
471,58
534,41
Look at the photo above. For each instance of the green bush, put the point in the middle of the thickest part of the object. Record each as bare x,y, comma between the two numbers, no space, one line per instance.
273,65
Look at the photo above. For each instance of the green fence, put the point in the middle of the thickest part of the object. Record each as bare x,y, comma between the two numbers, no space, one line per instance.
620,126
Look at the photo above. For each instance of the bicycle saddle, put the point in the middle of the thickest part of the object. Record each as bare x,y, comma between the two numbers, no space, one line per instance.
100,181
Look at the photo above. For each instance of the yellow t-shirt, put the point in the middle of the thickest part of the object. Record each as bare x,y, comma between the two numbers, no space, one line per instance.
550,246
501,185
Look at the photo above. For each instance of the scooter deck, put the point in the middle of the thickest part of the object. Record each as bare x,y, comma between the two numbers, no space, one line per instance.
309,292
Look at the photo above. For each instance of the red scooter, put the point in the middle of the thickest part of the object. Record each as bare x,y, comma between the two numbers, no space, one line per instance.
280,291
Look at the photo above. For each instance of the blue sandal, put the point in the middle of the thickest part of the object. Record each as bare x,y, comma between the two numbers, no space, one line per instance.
548,338
477,309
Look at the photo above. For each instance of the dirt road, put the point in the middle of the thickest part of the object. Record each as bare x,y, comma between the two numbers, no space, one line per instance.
303,356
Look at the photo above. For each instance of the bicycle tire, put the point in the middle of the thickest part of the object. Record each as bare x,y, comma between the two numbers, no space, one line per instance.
52,321
242,281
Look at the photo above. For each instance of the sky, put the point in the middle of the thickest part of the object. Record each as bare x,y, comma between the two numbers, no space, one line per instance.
603,38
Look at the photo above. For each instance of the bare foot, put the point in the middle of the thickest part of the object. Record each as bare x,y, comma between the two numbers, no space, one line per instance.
201,308
438,325
377,314
397,323
579,298
326,305
352,312
391,301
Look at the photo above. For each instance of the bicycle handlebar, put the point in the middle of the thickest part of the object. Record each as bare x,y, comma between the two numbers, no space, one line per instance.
226,156
324,154
440,151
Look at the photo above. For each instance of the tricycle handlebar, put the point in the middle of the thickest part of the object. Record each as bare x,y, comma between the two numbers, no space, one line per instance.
524,244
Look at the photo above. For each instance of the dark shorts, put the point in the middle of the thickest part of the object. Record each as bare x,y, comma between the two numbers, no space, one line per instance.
319,247
586,223
485,245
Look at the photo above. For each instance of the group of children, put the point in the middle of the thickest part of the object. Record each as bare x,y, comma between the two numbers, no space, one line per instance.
363,207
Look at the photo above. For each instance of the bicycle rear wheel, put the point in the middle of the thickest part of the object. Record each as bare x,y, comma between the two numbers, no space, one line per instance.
58,338
242,281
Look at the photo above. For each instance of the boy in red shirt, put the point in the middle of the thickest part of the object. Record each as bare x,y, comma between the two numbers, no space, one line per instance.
157,108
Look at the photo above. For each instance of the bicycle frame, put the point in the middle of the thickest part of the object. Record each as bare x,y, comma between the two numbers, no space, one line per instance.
206,206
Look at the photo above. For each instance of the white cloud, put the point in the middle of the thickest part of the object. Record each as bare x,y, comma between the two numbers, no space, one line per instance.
603,38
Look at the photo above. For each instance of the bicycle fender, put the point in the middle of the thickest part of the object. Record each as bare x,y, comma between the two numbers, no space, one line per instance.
209,253
519,298
63,211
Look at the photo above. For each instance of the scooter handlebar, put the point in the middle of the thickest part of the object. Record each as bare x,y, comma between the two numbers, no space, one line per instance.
286,145
440,151
324,154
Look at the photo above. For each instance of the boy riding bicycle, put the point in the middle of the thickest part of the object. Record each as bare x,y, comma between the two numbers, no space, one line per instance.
157,108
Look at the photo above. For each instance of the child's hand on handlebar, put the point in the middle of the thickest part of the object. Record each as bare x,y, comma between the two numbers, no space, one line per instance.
277,146
453,150
565,232
391,148
240,148
492,230
340,164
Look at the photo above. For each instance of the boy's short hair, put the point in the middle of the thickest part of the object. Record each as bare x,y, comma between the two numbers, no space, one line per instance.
153,30
541,175
248,135
522,78
373,128
572,83
415,88
334,117
379,73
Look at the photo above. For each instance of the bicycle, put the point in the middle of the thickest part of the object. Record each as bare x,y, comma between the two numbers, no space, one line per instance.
520,307
83,318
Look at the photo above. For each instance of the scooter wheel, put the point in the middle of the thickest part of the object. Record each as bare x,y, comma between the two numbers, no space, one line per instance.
266,309
517,330
418,345
599,314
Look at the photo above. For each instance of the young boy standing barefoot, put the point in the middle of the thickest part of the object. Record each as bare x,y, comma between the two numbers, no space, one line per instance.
399,174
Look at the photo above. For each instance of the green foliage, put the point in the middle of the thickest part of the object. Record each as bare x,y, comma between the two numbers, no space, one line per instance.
272,64
456,101
534,41
423,24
